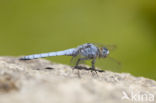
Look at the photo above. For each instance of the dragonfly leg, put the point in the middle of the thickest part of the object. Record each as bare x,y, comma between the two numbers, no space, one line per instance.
78,61
93,66
93,63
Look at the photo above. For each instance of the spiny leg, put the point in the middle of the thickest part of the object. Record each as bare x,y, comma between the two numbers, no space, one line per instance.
93,65
78,61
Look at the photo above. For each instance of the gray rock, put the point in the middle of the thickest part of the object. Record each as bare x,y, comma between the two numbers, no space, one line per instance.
40,81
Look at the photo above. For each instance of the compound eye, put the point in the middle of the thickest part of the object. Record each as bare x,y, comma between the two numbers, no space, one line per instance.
105,50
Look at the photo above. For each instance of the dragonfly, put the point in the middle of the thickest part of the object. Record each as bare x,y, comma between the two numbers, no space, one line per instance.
87,51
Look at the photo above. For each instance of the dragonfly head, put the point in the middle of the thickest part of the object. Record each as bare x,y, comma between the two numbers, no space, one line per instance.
104,52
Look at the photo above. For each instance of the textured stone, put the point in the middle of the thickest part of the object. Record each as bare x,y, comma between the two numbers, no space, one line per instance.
40,81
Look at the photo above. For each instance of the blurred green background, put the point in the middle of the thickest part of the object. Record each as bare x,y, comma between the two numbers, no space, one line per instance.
36,26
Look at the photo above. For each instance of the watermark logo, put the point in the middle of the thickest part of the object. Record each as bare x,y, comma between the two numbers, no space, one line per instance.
137,96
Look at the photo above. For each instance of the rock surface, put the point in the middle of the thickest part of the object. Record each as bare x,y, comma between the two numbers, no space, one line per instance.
40,81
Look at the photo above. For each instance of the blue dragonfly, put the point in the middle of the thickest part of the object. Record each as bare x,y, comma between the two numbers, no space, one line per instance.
88,51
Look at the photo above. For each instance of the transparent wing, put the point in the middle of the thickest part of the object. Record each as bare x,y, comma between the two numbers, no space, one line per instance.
109,64
109,47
